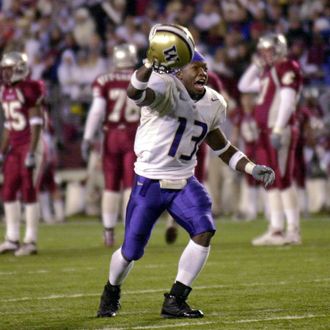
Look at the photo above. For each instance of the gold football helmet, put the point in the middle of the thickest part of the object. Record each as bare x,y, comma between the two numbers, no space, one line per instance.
124,56
170,47
14,67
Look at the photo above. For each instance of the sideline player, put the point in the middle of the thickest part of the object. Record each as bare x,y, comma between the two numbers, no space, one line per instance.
20,99
278,81
178,113
120,117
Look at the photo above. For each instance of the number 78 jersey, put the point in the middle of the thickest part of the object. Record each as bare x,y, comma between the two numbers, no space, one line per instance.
120,110
172,128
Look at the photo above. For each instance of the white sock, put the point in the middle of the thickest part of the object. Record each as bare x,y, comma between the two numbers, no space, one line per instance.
119,268
191,262
110,208
46,212
12,218
126,196
275,210
252,202
59,210
302,200
32,214
291,209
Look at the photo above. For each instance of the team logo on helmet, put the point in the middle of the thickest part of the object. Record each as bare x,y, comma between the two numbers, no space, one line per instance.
171,46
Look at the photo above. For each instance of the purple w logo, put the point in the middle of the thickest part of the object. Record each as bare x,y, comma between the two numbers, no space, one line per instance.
171,54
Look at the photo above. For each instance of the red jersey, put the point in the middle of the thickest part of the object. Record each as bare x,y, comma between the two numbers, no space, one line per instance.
16,101
214,81
283,74
246,124
120,110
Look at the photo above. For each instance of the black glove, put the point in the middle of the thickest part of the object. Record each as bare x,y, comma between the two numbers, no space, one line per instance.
264,174
30,160
85,149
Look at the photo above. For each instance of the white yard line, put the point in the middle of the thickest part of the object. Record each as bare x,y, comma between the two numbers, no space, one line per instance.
131,292
192,324
176,325
44,271
277,318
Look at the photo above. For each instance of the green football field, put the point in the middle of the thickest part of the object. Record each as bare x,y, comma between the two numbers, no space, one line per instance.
241,287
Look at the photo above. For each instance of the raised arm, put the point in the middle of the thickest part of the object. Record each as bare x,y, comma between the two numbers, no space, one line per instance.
138,89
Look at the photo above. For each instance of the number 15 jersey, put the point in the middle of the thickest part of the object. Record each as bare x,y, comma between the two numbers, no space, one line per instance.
172,128
17,100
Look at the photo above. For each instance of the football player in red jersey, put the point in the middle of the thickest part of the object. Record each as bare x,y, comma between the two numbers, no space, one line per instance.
20,99
120,117
278,81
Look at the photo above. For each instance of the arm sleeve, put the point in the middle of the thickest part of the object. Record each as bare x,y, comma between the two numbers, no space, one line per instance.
95,115
250,82
286,108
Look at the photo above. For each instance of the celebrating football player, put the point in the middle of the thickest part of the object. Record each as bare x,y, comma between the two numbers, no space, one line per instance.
178,113
278,81
20,99
120,117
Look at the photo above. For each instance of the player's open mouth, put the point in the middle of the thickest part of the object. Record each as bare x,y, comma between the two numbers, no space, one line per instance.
199,84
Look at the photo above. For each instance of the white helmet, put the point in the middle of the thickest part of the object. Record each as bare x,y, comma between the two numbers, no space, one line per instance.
274,41
124,56
14,67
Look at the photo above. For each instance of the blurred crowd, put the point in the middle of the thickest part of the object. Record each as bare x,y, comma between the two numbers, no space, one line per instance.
69,43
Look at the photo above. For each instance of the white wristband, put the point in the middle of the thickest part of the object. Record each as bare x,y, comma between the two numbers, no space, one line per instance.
137,84
236,157
223,150
249,168
35,121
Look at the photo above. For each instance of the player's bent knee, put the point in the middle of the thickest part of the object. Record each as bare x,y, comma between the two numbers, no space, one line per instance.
203,239
132,254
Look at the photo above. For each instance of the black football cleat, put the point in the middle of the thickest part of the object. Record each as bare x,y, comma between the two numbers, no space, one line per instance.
109,303
171,234
174,307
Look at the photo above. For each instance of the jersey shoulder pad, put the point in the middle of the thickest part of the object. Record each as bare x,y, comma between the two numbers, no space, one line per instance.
289,73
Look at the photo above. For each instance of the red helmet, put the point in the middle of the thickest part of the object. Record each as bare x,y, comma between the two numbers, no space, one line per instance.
14,67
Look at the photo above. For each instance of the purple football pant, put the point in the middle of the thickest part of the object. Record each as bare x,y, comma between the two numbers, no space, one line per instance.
190,207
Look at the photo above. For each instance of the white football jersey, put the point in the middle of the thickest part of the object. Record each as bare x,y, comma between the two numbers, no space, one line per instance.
172,128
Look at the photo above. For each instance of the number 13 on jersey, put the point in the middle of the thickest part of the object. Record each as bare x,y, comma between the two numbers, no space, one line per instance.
179,134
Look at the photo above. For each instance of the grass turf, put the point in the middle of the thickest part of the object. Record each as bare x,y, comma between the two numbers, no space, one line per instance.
241,287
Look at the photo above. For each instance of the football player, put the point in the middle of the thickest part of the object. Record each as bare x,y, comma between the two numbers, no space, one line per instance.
20,99
178,113
278,81
171,232
120,117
